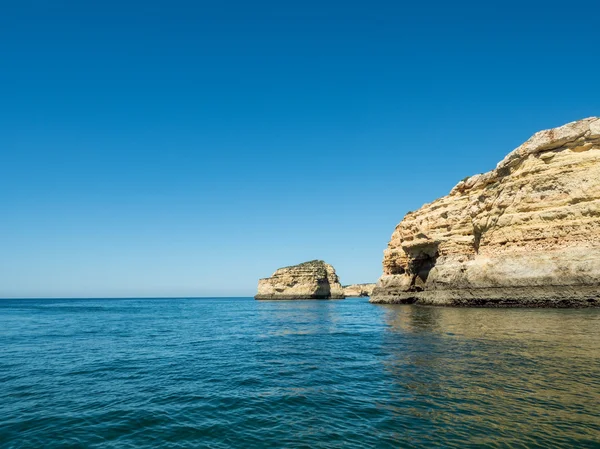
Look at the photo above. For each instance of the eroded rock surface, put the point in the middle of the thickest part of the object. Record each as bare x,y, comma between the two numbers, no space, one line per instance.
309,280
524,234
356,290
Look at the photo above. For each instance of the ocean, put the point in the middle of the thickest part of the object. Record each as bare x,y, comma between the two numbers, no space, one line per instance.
239,373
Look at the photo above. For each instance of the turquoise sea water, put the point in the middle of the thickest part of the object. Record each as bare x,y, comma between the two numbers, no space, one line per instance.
238,373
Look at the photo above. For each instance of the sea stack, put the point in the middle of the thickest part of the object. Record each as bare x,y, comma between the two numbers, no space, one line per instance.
309,280
357,290
524,234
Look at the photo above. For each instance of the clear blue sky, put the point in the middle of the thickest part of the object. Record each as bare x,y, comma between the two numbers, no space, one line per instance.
189,148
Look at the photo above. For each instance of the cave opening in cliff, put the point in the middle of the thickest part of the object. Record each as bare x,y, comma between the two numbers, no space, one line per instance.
422,261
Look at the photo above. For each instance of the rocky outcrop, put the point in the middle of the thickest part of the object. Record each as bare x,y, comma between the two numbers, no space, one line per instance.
356,290
524,234
309,280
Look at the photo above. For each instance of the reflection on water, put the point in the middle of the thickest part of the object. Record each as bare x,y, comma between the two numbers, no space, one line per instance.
297,317
499,377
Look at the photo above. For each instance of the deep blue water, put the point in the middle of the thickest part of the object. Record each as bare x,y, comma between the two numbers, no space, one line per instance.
238,373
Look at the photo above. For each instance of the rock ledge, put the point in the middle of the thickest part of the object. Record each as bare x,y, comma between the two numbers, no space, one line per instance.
309,280
358,290
525,234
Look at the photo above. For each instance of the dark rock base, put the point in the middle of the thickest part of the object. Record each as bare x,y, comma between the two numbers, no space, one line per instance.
571,296
290,297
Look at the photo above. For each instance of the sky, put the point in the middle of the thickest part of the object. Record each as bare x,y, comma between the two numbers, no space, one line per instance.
190,148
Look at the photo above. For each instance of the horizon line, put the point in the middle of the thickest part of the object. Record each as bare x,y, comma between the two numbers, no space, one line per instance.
125,297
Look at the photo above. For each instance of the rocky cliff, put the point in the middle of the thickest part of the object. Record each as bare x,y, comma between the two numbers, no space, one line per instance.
309,280
356,290
525,234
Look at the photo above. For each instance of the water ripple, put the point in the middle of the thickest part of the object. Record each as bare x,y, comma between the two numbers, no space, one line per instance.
223,373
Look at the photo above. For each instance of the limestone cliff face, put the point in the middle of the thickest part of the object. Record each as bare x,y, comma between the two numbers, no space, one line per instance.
524,234
356,290
309,280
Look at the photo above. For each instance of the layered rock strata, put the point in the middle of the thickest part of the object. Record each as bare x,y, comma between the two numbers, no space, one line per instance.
524,234
309,280
356,290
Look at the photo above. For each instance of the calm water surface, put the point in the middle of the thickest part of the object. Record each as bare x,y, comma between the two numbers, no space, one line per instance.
234,372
